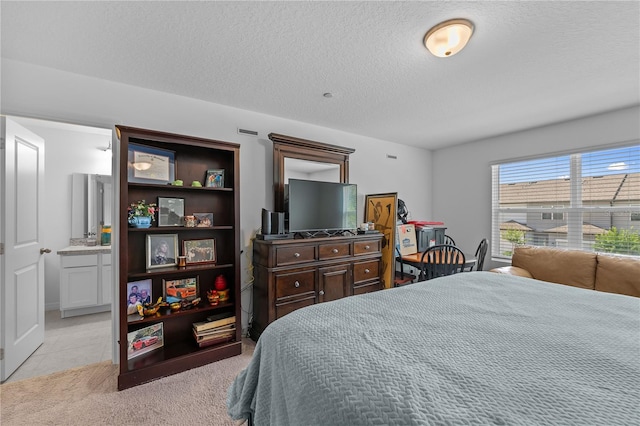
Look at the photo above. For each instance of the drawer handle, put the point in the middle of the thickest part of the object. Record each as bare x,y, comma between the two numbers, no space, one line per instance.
296,254
367,247
296,284
334,250
366,271
321,292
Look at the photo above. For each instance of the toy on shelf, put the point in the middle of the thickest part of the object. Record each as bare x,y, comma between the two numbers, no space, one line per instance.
148,309
213,297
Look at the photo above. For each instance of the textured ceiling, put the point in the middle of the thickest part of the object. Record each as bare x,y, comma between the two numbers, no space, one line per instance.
527,64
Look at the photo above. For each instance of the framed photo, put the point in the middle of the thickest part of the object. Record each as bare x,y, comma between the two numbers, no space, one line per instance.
150,165
204,220
145,340
200,251
162,250
138,292
215,178
180,289
381,210
170,211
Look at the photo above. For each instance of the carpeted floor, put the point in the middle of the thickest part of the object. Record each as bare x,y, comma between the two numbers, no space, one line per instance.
89,396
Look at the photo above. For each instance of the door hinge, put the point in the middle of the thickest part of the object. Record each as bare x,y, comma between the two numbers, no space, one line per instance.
1,354
1,248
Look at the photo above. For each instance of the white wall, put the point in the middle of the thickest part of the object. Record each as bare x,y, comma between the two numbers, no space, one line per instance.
35,91
462,174
68,149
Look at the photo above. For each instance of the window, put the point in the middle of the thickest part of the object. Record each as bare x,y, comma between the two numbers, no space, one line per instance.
588,201
552,216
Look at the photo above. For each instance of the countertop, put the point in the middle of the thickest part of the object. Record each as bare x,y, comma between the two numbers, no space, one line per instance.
76,250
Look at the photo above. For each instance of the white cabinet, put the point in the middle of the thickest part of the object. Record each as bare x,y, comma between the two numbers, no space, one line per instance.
85,283
106,276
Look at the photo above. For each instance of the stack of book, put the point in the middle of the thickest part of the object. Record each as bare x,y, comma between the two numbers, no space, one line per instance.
214,330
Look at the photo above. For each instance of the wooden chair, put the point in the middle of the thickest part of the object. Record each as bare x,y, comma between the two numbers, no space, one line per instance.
401,278
449,241
441,260
481,252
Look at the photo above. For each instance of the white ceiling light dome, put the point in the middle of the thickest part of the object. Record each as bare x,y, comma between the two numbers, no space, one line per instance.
448,37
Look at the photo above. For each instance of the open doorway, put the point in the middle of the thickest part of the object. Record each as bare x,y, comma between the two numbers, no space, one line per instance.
75,340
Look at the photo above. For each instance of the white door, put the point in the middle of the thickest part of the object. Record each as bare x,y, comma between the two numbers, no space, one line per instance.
21,235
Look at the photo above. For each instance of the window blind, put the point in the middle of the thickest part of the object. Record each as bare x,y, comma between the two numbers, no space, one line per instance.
585,200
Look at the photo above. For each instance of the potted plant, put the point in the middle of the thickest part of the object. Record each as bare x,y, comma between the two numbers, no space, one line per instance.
141,214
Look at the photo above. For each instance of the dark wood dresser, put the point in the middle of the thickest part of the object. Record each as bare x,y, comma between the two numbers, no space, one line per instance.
291,274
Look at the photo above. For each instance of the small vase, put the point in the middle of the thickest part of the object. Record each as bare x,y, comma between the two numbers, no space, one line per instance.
140,221
220,283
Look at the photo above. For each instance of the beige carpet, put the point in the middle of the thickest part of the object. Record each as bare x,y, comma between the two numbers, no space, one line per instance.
89,396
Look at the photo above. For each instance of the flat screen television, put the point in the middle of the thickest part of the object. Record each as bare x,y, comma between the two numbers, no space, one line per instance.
314,206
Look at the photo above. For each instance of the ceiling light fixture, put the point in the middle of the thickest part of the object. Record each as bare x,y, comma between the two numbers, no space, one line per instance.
448,37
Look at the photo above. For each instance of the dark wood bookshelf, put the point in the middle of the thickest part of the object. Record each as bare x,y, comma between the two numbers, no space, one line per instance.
192,157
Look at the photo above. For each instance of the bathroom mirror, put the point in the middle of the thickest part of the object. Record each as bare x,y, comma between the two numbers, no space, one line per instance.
91,203
305,159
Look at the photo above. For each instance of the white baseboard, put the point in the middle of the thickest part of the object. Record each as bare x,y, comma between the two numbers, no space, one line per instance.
52,306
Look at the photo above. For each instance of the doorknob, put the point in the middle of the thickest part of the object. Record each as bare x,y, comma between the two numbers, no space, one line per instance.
45,250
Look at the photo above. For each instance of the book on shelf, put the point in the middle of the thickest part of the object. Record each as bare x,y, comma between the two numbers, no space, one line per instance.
217,330
206,325
227,331
216,341
219,316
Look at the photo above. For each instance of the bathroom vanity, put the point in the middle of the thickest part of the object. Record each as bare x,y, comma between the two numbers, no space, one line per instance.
86,273
85,280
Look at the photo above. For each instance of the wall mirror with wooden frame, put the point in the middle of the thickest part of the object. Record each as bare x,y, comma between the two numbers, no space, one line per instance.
304,159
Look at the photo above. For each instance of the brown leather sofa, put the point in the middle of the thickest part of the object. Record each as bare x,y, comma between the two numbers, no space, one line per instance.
595,271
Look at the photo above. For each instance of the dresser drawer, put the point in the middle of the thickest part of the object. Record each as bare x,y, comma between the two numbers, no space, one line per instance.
295,283
366,288
366,247
293,255
285,308
333,250
363,271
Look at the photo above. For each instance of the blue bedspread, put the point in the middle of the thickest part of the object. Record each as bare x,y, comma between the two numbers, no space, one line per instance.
472,348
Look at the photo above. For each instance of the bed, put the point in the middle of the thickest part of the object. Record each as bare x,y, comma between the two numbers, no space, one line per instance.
471,348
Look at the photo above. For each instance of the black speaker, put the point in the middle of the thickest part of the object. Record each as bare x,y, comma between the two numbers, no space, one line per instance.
266,221
272,222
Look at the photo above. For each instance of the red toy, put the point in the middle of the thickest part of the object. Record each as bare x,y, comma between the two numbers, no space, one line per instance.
220,283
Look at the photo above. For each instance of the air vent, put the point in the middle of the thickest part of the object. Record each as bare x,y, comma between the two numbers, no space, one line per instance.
393,157
247,132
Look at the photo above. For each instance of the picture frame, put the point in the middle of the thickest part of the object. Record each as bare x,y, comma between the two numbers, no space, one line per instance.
181,289
162,250
214,178
170,211
381,210
199,251
138,292
150,165
204,220
145,340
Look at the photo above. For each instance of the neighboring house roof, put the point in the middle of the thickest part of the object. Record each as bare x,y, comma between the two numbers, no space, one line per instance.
587,229
512,225
609,188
